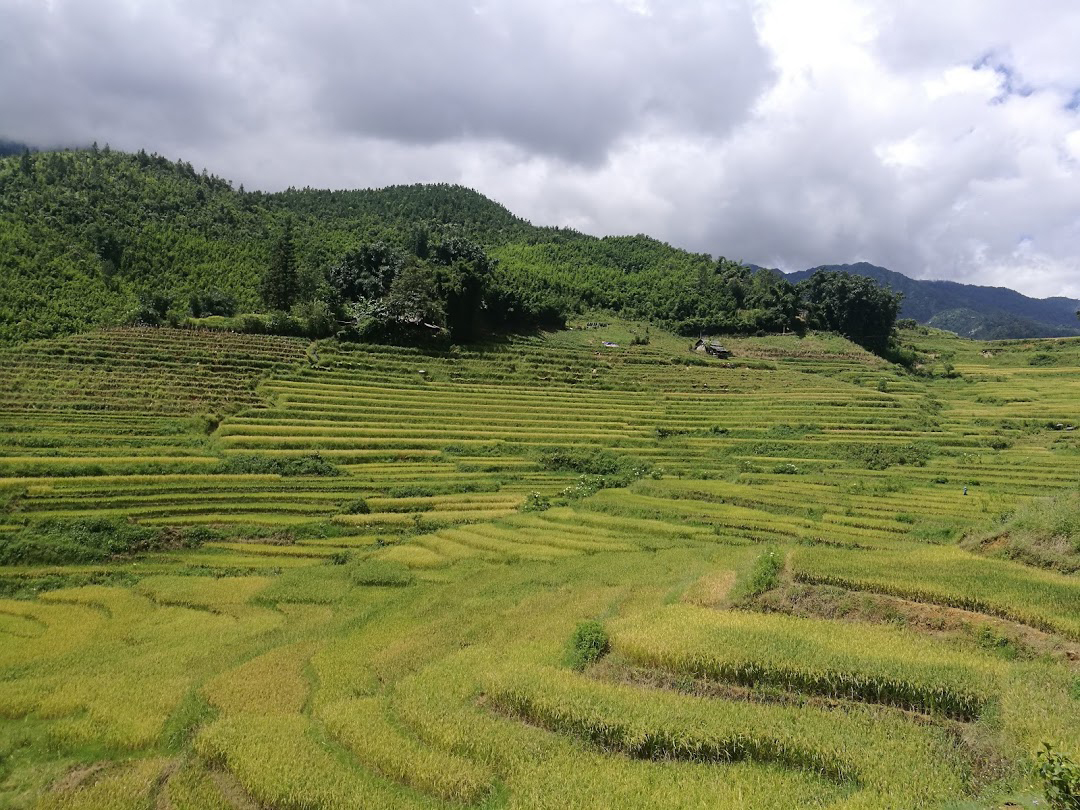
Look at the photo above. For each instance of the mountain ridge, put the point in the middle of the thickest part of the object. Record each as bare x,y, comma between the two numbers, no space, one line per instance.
971,310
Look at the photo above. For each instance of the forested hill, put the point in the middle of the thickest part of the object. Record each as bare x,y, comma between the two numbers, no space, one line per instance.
97,237
984,313
85,234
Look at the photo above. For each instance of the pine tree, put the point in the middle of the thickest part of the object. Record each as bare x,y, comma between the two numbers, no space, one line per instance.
280,284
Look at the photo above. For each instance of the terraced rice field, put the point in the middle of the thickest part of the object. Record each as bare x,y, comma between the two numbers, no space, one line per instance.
375,560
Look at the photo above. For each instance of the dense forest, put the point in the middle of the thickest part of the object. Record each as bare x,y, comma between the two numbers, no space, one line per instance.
94,237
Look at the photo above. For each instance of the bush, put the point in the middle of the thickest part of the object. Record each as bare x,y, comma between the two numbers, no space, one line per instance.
785,469
56,542
663,432
314,319
602,467
1043,532
252,325
881,456
279,323
1060,777
535,502
358,507
588,645
592,461
765,575
312,464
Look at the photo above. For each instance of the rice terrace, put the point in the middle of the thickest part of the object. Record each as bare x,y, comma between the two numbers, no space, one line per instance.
264,561
534,577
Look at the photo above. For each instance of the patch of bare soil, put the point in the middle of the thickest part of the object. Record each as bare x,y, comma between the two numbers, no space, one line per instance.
79,776
233,791
162,800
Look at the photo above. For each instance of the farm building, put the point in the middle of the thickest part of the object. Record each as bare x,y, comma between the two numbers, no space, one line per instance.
708,347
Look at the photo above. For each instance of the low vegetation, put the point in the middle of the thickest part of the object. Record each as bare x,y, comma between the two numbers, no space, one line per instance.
1043,532
57,541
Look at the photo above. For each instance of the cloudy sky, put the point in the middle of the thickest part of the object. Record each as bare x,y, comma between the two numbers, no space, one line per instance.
940,139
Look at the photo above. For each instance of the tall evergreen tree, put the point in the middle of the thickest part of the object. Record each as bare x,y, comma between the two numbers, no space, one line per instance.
280,284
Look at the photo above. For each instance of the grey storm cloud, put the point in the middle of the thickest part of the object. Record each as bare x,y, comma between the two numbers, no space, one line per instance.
565,78
941,140
71,70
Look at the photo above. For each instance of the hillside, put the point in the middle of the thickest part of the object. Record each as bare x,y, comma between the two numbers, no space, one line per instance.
84,235
981,313
563,570
100,238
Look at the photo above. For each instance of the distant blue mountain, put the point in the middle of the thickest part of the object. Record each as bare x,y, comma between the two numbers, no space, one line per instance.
984,313
13,147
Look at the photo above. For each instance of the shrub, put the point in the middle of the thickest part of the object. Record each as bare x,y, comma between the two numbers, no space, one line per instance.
535,502
55,542
358,507
1043,531
989,639
599,469
252,325
785,469
416,491
663,432
592,461
881,456
1060,777
585,486
312,464
152,310
765,575
314,319
588,645
785,431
